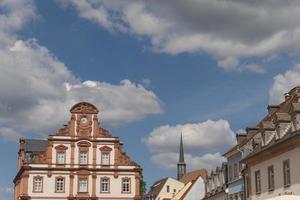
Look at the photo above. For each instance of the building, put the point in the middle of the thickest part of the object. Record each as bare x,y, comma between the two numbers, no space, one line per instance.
216,184
165,188
82,161
235,185
188,186
194,186
271,152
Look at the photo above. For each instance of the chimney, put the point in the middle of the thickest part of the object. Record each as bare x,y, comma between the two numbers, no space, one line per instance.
240,137
251,131
272,109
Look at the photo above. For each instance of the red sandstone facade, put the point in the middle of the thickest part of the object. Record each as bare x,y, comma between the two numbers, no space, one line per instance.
81,161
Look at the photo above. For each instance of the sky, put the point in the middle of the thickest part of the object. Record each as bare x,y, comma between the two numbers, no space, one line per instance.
203,68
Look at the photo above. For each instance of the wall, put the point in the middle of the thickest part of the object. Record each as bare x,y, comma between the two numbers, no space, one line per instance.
293,156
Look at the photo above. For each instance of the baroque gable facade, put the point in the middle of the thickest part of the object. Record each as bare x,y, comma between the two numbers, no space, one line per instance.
81,161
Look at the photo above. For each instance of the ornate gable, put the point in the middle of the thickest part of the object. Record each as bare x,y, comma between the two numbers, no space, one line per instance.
84,108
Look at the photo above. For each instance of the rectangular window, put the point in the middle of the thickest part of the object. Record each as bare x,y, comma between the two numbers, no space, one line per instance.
104,185
230,173
125,185
235,170
286,173
271,178
38,184
60,157
83,185
257,182
105,158
168,188
83,158
60,185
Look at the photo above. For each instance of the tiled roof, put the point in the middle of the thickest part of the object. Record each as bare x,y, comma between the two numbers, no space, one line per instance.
192,176
35,146
157,186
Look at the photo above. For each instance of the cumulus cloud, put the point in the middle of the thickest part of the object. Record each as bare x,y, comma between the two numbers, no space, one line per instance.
228,30
283,83
209,136
37,89
198,136
169,161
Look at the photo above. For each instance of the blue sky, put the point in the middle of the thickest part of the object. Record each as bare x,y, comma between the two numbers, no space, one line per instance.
175,81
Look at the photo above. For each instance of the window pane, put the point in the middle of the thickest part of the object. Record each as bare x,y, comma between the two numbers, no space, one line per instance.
83,157
105,185
126,185
105,159
38,184
83,185
60,185
60,157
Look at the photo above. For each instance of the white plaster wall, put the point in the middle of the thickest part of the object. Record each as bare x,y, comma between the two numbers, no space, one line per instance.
116,186
68,152
293,156
197,191
112,153
48,186
174,184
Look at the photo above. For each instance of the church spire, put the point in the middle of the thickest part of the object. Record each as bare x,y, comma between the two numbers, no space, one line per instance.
181,166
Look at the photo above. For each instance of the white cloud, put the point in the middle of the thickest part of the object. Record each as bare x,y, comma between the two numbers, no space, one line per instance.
283,83
197,136
9,134
6,193
169,161
209,136
37,90
225,29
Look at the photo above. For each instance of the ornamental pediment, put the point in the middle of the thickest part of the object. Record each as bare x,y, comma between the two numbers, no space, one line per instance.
105,148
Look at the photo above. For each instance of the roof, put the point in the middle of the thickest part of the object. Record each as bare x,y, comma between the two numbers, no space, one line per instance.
282,140
157,186
32,145
194,175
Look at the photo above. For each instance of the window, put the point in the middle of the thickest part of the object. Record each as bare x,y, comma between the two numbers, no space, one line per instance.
83,158
271,178
168,188
286,173
230,173
82,185
105,158
60,157
257,182
104,184
38,184
241,195
235,170
60,184
125,185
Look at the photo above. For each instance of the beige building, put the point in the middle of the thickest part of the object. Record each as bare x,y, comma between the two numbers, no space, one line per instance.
272,151
215,184
165,188
81,161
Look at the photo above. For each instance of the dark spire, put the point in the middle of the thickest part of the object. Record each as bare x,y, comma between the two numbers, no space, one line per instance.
181,166
181,153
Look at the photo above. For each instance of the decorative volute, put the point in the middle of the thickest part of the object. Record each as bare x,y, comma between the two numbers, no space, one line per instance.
84,122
